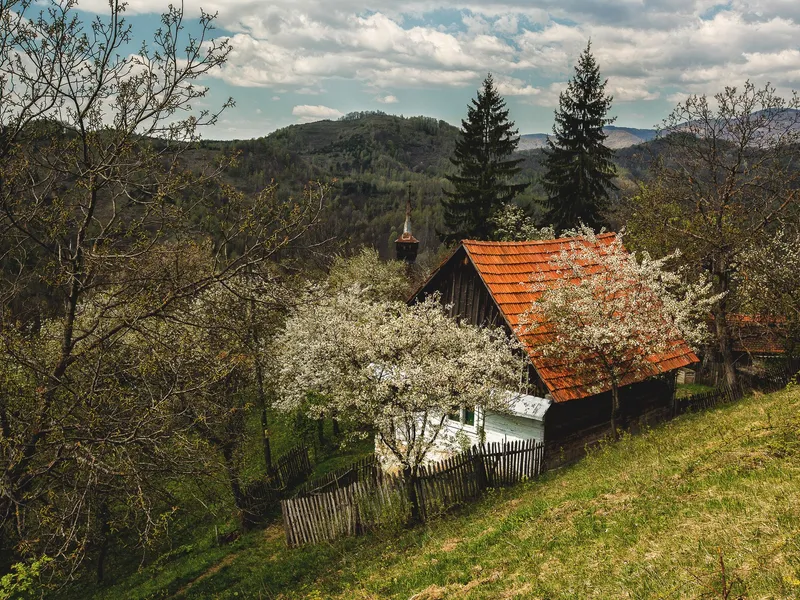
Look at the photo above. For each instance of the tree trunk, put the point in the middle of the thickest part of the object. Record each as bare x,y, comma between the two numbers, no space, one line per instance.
410,482
335,427
614,409
262,399
726,374
321,432
103,546
246,519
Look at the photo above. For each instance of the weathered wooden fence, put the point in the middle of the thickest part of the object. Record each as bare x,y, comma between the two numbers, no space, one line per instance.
705,400
770,378
364,469
378,499
291,468
773,376
261,496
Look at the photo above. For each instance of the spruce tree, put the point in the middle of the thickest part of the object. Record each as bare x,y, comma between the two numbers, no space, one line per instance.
579,170
482,182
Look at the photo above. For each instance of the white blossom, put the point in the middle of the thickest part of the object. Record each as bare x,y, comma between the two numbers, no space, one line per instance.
393,369
511,224
604,311
768,279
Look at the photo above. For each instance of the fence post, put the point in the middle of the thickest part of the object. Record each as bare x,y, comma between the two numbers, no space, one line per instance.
480,468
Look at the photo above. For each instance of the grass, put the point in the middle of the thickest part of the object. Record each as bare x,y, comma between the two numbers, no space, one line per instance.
651,516
689,389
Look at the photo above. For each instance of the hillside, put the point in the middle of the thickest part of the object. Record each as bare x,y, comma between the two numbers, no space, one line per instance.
666,514
618,137
376,160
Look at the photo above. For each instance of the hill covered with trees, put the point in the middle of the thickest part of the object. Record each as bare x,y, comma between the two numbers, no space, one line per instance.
374,161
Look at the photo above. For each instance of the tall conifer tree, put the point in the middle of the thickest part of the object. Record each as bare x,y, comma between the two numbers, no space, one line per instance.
579,171
484,172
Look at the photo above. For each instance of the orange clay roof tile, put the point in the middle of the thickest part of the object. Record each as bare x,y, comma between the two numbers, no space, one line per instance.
506,269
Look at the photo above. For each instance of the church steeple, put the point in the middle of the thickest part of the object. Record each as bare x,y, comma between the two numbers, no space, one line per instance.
407,246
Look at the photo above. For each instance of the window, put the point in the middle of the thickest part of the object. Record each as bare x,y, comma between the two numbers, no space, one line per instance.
463,415
469,415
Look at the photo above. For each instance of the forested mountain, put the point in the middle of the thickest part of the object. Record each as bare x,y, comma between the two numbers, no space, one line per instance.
618,137
374,161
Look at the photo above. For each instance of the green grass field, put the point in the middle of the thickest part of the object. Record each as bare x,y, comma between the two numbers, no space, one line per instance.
652,516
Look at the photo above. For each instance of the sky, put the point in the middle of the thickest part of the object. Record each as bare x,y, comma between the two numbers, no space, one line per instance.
297,61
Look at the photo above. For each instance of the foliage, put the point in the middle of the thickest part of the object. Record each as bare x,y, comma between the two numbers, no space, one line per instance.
23,580
98,207
769,285
724,185
395,369
229,327
579,167
511,224
608,311
482,182
378,279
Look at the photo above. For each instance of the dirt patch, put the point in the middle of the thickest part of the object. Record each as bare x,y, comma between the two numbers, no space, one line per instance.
273,532
453,590
517,592
213,570
450,545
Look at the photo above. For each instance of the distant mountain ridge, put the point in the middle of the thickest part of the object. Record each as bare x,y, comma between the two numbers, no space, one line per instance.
618,137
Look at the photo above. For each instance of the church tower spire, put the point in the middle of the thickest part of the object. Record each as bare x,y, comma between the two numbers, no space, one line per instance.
407,246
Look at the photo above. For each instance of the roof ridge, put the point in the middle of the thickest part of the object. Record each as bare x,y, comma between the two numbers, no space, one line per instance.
603,235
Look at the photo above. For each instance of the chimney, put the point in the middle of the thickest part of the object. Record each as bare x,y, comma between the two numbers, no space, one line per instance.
407,246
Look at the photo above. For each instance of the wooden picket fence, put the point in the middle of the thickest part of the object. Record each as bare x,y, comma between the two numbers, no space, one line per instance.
377,500
776,376
262,495
291,468
706,400
346,511
366,468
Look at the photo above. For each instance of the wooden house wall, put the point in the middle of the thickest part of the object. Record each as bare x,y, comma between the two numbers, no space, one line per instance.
500,427
461,287
570,426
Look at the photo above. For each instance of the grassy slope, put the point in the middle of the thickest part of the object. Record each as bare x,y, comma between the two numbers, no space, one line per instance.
644,518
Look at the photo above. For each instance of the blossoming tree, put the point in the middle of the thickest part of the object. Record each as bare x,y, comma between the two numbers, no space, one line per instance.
394,370
768,281
607,311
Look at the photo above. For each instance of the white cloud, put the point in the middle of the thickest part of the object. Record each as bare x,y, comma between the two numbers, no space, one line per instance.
508,24
649,49
389,99
276,98
511,86
307,113
630,89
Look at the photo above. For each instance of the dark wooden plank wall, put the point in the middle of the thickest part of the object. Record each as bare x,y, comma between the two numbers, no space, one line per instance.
460,285
564,419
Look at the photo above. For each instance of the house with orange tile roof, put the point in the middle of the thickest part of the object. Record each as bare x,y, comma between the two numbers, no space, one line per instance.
489,284
758,336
